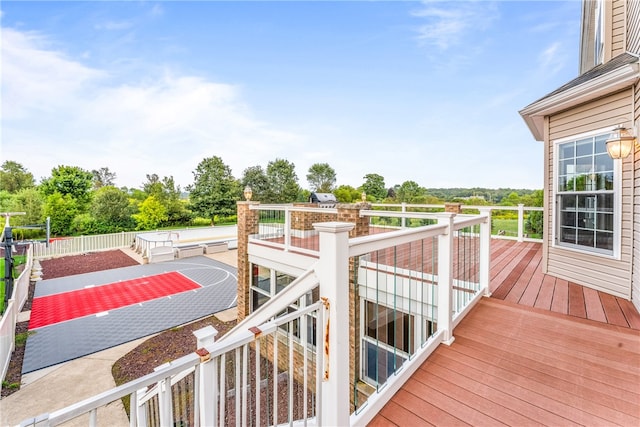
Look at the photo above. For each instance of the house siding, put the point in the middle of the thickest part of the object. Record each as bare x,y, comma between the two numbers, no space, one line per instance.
633,27
598,272
635,281
618,33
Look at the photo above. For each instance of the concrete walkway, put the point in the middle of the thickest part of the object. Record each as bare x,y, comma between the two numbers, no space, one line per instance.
54,388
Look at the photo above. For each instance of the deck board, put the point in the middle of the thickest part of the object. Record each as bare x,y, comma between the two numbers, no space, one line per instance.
517,365
516,276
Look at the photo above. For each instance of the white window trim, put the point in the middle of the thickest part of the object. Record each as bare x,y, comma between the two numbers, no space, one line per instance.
617,199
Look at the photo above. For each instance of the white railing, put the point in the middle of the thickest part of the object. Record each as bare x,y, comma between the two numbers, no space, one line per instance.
82,244
10,315
233,383
290,227
300,371
523,215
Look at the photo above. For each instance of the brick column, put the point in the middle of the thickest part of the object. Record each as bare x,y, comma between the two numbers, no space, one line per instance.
247,225
351,213
453,207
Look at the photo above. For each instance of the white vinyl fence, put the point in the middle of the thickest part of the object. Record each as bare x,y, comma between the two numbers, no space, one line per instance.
10,316
83,244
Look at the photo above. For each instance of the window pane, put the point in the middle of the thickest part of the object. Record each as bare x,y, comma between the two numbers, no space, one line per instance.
261,278
585,238
603,163
568,235
257,300
567,167
568,219
584,165
605,203
586,202
568,203
586,220
584,147
604,240
566,151
283,280
605,222
380,363
601,146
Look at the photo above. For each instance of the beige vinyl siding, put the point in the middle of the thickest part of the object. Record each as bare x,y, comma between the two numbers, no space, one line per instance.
635,291
603,112
600,272
618,34
633,27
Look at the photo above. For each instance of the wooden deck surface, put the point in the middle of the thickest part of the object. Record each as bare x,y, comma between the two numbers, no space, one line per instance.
516,276
540,351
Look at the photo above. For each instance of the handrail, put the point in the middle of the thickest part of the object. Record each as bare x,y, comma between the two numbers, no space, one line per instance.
373,242
330,273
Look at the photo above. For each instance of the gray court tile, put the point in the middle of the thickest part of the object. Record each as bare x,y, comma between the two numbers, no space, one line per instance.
76,338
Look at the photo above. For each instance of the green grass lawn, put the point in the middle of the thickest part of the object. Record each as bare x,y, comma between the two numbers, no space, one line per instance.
17,260
510,226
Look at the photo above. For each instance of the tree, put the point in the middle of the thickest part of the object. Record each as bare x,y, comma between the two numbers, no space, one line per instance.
14,177
283,182
72,181
111,210
513,199
347,194
255,178
409,192
103,177
153,186
534,223
374,186
321,178
62,208
215,190
29,201
168,194
152,213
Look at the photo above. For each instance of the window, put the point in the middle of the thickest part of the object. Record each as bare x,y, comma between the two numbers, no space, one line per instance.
266,283
585,197
598,54
387,341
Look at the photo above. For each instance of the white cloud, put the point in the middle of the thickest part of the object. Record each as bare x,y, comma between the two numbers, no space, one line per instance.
157,10
37,79
552,59
448,23
57,111
114,25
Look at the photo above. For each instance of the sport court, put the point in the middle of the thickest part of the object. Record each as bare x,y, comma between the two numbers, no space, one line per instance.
78,315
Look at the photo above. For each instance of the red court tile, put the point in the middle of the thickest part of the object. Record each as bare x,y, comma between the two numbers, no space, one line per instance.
56,308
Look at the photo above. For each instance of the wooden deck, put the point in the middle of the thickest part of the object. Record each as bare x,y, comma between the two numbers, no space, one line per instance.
516,276
540,351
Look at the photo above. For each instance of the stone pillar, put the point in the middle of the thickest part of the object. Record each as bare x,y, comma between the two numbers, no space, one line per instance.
302,220
351,213
247,225
453,207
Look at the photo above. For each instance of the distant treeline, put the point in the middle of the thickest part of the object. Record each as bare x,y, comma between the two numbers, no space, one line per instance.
492,196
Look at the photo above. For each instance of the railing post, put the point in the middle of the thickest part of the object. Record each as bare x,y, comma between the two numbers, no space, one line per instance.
141,413
333,274
404,210
206,386
520,222
445,278
485,251
287,228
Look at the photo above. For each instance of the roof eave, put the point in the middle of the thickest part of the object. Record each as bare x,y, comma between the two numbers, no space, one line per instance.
620,78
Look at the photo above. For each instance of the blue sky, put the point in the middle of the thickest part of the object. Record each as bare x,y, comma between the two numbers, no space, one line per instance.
422,91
